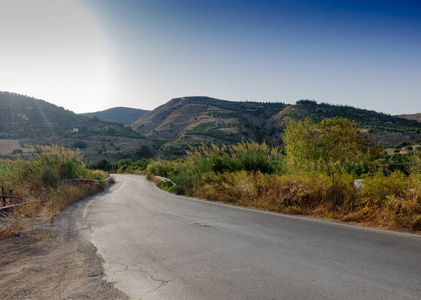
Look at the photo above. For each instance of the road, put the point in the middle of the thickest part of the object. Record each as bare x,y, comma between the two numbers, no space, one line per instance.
155,245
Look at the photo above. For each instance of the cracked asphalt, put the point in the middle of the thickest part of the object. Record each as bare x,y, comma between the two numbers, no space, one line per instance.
155,245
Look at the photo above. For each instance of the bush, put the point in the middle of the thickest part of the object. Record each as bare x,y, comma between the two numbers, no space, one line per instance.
49,177
41,179
80,145
101,164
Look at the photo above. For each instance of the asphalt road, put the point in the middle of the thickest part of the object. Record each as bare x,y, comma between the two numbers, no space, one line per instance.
158,246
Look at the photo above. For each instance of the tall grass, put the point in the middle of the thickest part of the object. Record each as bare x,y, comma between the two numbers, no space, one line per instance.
40,183
188,173
255,175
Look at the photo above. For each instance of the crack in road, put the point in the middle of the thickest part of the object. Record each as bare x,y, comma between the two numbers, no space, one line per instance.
161,281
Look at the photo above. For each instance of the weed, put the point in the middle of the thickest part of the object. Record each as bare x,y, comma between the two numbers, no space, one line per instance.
40,184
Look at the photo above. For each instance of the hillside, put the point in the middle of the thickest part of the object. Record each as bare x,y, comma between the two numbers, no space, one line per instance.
182,121
384,129
202,119
366,118
123,115
193,119
31,121
415,117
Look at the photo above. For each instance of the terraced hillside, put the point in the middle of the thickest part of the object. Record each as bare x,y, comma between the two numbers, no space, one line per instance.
192,119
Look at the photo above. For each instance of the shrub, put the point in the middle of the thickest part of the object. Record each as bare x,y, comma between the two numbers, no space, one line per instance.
80,145
49,177
254,175
331,145
101,164
41,180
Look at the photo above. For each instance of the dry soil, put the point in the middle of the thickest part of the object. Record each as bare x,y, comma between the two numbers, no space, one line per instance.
55,262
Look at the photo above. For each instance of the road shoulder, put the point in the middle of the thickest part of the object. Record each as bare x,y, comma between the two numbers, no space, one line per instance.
55,263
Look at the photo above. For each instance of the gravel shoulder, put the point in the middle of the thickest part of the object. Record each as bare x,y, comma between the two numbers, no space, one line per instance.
54,263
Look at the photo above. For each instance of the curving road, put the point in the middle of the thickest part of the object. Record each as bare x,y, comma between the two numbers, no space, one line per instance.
155,245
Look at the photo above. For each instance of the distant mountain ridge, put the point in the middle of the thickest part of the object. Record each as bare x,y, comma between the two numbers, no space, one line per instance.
37,122
27,117
168,129
123,115
204,119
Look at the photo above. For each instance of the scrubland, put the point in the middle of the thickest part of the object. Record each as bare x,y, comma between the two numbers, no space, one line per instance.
315,175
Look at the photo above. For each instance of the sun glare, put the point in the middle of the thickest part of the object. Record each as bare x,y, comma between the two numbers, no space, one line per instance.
52,48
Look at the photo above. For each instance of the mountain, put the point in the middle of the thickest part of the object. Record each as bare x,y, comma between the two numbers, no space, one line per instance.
31,121
123,115
190,120
169,128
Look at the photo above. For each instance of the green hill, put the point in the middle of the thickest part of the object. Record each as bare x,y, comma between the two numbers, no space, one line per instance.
123,115
36,122
191,120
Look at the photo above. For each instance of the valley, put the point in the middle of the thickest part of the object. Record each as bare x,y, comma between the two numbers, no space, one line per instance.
168,130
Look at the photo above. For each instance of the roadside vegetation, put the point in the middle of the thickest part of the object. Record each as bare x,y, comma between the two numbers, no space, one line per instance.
327,169
127,165
40,188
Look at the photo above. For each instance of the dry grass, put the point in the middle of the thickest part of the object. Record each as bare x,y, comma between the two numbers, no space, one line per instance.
392,202
41,187
11,229
56,200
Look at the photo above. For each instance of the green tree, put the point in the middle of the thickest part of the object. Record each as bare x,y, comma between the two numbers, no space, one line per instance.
329,145
301,142
144,152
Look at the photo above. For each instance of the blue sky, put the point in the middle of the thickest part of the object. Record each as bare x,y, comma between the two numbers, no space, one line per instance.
143,53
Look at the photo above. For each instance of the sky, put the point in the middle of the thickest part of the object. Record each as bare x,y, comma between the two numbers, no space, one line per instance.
90,55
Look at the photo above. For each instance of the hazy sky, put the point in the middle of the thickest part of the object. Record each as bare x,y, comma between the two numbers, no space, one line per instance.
88,55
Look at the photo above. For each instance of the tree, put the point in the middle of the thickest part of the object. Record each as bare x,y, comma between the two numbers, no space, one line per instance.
331,144
144,152
101,164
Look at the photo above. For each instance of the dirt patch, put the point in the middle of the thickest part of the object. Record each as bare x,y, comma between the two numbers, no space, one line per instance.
55,263
7,146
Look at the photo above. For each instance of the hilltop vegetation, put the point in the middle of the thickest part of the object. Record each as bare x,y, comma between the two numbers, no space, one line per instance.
365,118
